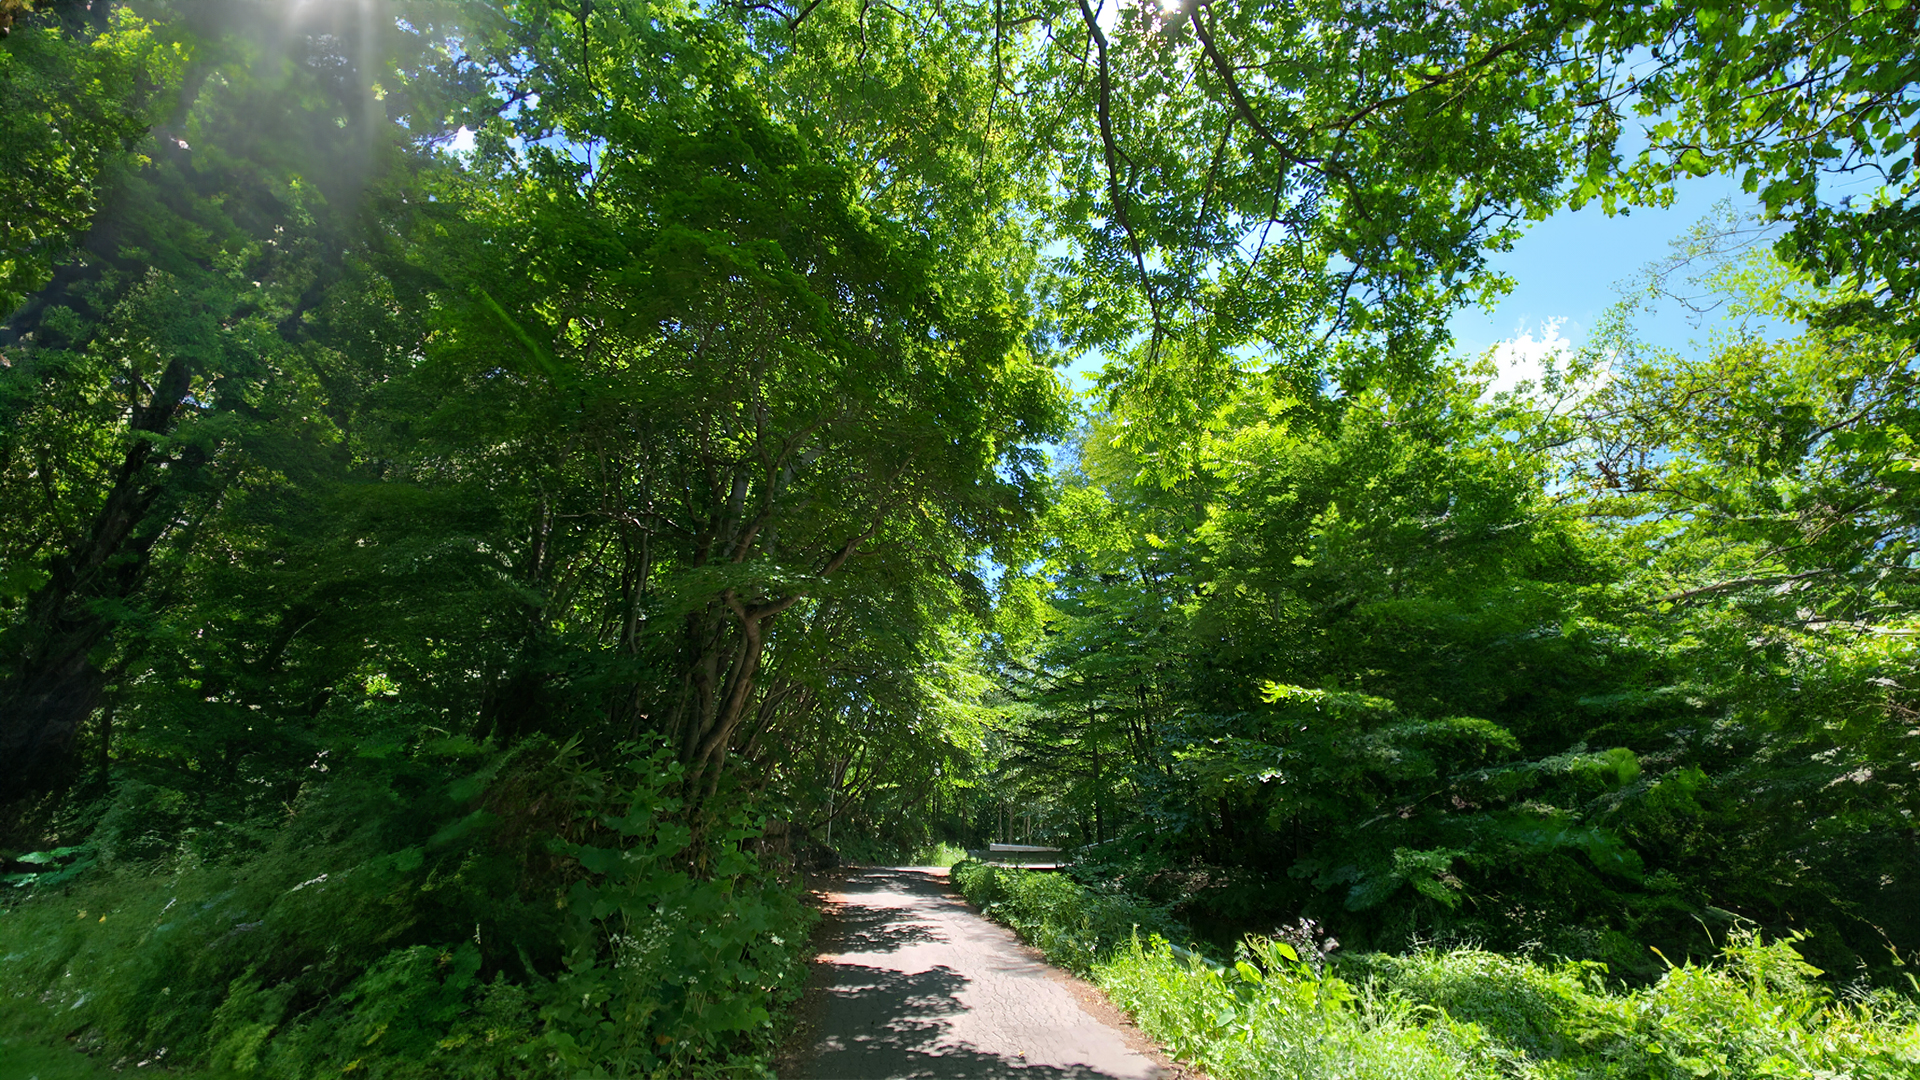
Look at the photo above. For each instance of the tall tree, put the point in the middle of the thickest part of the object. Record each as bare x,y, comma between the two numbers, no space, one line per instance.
173,334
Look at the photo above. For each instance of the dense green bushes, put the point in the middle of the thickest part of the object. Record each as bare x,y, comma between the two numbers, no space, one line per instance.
443,909
1074,925
1463,1012
1283,1008
868,851
671,972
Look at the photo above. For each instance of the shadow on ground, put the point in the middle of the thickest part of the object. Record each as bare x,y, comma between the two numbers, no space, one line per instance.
891,1025
881,1022
877,930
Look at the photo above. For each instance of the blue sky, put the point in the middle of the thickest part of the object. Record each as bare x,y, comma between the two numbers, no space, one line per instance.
1567,271
1570,268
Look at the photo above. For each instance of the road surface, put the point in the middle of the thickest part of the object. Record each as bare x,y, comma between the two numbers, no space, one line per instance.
911,982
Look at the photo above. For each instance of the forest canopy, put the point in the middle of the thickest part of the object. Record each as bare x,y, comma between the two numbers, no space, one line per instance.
493,491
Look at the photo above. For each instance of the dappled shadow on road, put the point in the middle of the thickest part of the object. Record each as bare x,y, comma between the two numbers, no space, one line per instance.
891,1024
897,879
877,930
870,920
910,984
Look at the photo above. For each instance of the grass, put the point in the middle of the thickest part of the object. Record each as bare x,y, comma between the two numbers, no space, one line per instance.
1283,1010
389,931
24,1058
1074,925
941,854
1248,1022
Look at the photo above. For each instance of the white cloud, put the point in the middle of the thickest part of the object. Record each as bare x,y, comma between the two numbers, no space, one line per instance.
462,140
1523,358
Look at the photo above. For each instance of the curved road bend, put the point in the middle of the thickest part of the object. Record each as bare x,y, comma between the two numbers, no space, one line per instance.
911,983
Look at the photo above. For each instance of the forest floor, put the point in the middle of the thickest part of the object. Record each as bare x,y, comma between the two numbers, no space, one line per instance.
911,982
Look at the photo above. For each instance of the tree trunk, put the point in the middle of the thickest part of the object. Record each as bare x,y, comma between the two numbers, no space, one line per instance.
53,683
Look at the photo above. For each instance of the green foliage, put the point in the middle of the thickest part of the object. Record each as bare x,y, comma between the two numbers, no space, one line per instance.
398,923
1074,925
341,470
29,1057
1758,1012
1470,1013
298,943
48,868
1432,664
76,101
668,973
1280,1009
941,854
1270,1016
699,399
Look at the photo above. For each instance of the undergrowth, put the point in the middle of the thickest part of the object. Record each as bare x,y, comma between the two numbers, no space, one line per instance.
439,909
940,854
873,851
1074,925
1287,1008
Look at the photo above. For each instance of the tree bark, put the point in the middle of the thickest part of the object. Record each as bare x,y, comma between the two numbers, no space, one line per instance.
52,683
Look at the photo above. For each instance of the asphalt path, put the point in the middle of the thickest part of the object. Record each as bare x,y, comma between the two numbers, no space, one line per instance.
910,982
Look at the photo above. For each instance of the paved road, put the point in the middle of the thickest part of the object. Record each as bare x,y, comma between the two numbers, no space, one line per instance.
912,983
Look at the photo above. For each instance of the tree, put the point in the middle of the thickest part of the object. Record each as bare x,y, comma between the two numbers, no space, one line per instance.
707,359
176,334
79,88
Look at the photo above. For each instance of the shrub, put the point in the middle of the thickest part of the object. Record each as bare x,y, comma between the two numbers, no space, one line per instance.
1527,1006
1071,923
449,910
940,854
1274,1013
265,946
1272,1016
1757,1013
668,973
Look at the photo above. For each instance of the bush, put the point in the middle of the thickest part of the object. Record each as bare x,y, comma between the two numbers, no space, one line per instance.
1524,1005
940,854
1270,1016
340,930
863,850
447,910
669,973
1757,1013
1274,1012
1072,924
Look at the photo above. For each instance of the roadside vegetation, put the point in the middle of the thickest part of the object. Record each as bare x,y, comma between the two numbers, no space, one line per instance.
1295,1005
412,918
493,494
